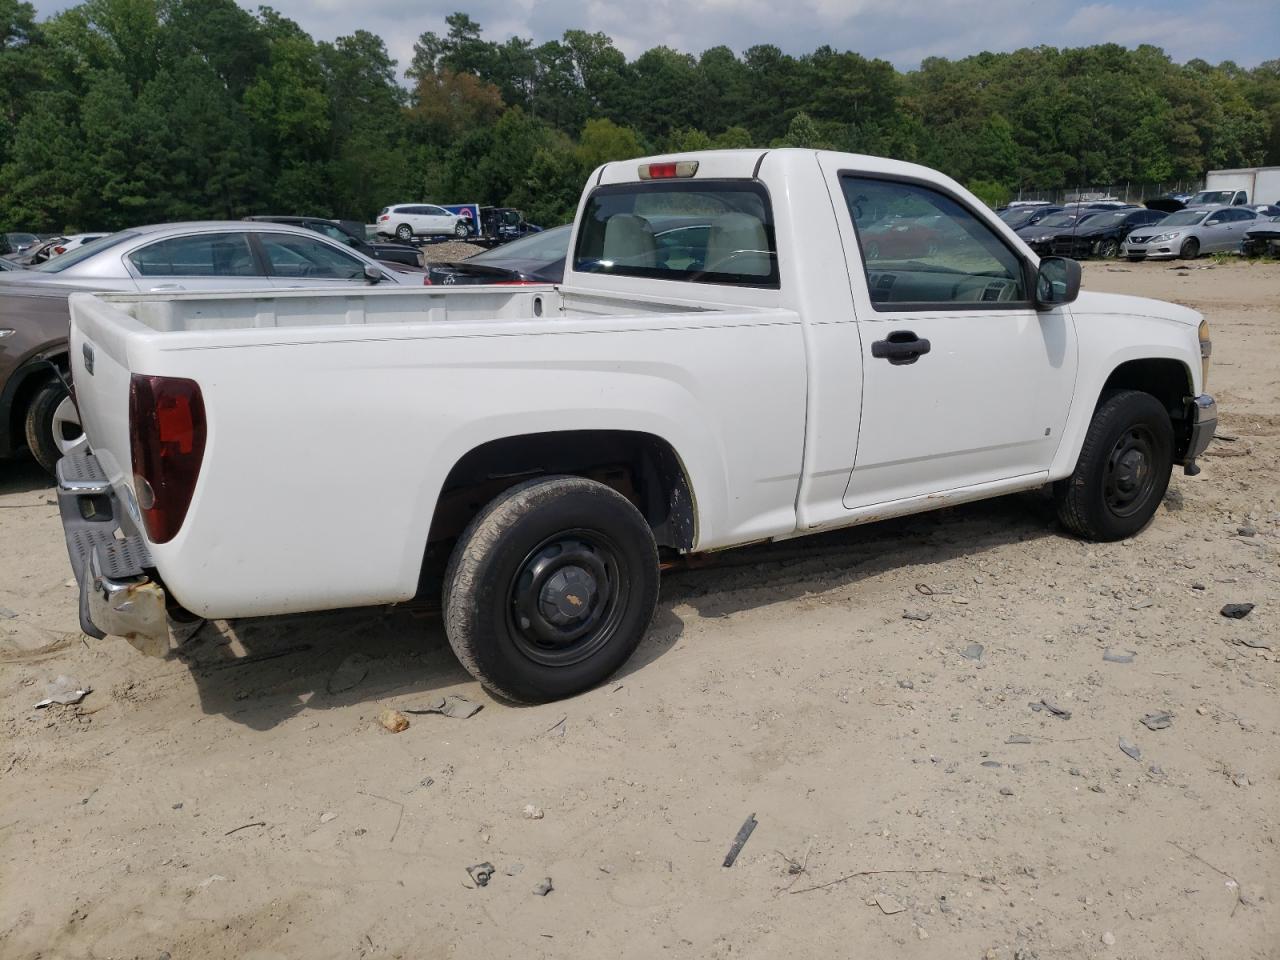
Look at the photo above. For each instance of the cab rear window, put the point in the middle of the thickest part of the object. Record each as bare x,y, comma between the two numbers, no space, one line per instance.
711,231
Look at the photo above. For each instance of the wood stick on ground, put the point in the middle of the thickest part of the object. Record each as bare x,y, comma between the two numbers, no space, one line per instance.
1196,856
876,873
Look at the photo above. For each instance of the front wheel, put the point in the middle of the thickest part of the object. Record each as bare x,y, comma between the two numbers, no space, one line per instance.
460,229
1190,249
1108,249
404,232
1123,470
551,588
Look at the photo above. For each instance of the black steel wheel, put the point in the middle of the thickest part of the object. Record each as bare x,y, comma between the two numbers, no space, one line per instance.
551,588
1123,470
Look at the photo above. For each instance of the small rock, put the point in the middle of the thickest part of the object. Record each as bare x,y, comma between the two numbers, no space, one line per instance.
1006,791
992,763
328,817
1197,586
1018,738
533,813
1130,749
1156,770
543,888
1237,611
919,615
7,614
906,685
922,933
944,905
393,721
514,870
1098,788
1248,530
1240,780
178,805
1113,655
972,652
1159,720
888,905
1075,772
1109,939
1202,710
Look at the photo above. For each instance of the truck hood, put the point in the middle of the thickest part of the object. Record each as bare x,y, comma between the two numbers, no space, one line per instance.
1119,304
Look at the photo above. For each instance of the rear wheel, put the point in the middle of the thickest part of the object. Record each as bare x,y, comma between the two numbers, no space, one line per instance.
1123,470
404,232
460,229
52,425
551,588
1190,249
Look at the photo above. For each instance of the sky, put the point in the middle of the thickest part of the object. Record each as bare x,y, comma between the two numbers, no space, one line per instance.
901,31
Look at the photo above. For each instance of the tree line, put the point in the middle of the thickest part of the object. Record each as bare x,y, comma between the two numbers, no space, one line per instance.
119,112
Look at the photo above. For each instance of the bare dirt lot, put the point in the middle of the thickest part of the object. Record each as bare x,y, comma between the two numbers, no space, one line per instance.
240,800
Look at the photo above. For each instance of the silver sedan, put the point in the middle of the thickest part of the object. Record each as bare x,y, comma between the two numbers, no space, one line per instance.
1189,233
213,255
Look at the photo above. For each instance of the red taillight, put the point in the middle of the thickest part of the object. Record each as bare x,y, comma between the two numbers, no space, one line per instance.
384,218
426,280
166,436
668,169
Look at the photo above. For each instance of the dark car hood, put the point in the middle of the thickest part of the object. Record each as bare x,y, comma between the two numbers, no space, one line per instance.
1165,205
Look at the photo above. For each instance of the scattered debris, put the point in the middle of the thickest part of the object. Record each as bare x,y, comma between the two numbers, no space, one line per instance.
920,615
972,652
7,614
64,690
1237,611
1248,530
1113,655
481,873
906,684
514,870
460,708
1050,707
888,906
1254,643
1006,791
328,817
1109,939
992,763
1158,720
744,833
1156,770
393,721
349,673
1240,780
557,729
1142,605
1232,883
1130,749
1018,738
924,590
244,826
533,813
543,888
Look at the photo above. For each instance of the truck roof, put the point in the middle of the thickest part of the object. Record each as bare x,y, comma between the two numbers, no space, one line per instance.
745,164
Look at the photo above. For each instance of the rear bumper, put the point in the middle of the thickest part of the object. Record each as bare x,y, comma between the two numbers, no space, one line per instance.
118,597
1203,425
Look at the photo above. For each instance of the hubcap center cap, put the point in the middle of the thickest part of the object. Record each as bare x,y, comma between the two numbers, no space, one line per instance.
568,596
1133,468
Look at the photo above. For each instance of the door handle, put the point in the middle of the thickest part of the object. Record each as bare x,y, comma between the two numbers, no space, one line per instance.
900,347
160,288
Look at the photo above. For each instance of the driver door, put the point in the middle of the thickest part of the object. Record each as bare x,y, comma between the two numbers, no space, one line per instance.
965,382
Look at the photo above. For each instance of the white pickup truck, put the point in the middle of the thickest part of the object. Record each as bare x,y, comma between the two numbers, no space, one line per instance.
748,345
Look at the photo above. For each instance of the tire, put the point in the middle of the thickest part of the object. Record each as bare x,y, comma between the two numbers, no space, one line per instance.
404,232
460,229
1108,249
41,424
1123,470
512,588
1190,249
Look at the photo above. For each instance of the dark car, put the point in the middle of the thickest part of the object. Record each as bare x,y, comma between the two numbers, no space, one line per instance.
1262,239
35,411
1101,235
1040,236
1019,217
352,234
536,258
7,264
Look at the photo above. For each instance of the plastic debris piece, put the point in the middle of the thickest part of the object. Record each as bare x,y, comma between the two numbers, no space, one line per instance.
481,873
349,673
888,906
1018,738
1158,720
744,833
64,690
460,708
1114,655
972,652
543,888
1130,749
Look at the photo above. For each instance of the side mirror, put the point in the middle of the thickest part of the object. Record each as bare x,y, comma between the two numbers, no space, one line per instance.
374,275
1057,282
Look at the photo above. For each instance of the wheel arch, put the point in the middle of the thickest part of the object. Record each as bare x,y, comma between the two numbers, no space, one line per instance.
21,387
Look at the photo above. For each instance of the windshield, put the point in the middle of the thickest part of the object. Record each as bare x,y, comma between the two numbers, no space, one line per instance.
1063,219
1019,216
1183,218
1211,196
631,229
1108,219
546,247
84,252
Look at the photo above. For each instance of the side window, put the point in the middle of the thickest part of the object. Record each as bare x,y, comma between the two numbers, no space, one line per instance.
1246,215
203,255
922,248
435,211
303,258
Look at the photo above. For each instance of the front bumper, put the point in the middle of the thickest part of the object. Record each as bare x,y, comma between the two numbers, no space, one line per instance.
1167,250
118,596
1204,422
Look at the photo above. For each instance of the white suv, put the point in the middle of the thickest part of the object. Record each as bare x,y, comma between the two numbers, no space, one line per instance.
404,221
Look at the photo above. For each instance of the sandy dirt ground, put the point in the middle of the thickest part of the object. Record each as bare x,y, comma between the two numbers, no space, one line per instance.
239,800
